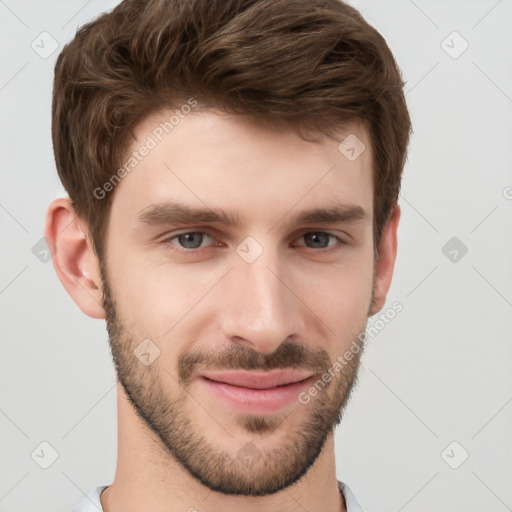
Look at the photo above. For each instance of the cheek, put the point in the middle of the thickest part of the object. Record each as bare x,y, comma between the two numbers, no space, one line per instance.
340,299
340,293
158,298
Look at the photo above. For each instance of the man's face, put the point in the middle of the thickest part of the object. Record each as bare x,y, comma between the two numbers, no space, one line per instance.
269,292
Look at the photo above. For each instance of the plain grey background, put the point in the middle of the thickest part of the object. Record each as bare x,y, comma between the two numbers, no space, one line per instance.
429,424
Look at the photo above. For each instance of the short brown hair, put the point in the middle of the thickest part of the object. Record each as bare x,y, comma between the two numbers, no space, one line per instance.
303,64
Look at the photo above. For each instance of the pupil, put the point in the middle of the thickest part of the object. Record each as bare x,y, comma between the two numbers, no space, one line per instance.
318,238
187,240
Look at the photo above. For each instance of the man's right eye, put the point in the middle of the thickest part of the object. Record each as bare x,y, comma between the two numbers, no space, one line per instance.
189,240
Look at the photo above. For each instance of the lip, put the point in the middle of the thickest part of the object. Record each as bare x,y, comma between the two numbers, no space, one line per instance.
258,380
256,392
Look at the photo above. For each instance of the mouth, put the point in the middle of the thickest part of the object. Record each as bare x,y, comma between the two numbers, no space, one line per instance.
258,380
256,392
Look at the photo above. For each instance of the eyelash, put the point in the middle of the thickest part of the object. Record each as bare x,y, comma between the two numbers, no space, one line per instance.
182,250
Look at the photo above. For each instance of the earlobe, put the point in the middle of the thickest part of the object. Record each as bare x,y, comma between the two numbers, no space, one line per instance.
74,259
386,261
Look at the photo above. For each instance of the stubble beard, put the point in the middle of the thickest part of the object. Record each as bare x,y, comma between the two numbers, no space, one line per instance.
250,469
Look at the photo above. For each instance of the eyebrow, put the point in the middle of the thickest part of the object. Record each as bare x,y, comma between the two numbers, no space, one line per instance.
173,212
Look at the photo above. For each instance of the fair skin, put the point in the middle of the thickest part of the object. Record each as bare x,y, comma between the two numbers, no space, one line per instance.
312,295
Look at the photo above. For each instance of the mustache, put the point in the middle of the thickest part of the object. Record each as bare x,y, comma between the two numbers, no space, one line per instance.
287,355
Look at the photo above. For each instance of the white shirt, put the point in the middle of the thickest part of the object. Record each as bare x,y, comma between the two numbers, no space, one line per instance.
92,503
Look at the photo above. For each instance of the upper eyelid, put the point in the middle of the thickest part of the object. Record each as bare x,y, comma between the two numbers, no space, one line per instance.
203,231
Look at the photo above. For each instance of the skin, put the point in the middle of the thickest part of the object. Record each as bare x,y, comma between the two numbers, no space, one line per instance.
301,303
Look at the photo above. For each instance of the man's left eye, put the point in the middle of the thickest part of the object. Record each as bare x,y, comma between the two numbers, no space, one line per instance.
320,239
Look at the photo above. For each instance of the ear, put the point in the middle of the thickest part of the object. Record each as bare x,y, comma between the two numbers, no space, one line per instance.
74,259
385,263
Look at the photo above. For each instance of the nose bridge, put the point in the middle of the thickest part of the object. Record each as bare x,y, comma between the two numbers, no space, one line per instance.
262,312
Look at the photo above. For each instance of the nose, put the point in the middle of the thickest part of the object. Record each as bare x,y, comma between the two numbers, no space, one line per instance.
260,310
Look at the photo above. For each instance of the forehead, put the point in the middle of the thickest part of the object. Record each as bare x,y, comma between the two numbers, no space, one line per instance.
227,161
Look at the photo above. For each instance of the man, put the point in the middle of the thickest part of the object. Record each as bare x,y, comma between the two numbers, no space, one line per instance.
233,169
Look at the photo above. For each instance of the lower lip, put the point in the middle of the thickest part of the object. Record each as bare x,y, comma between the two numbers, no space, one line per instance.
256,400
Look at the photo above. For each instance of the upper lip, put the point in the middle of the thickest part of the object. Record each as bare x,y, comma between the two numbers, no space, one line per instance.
258,380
